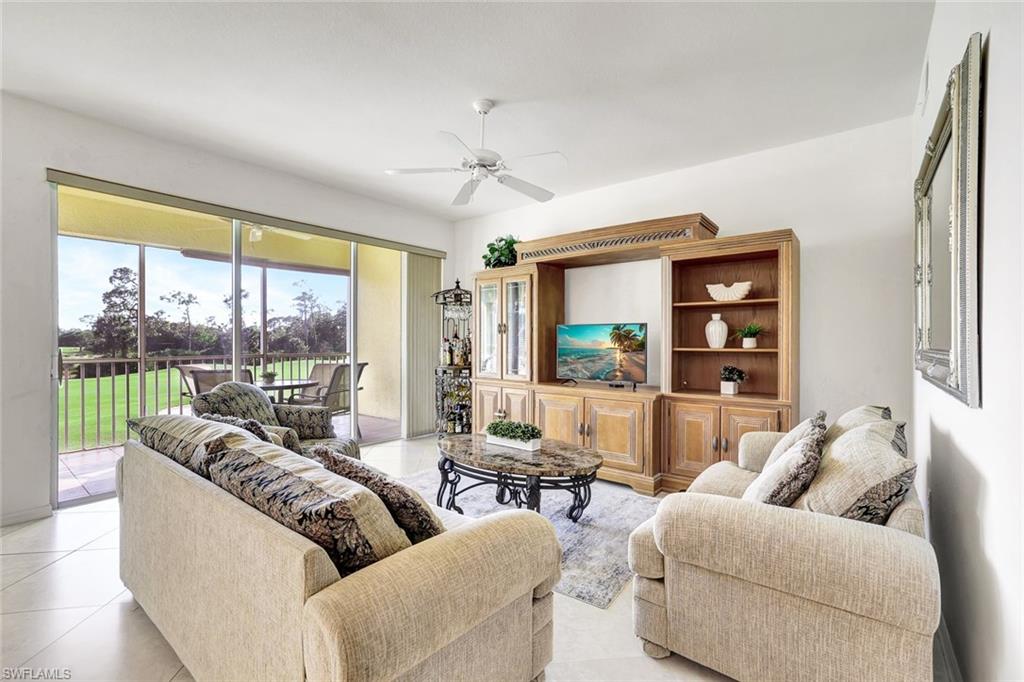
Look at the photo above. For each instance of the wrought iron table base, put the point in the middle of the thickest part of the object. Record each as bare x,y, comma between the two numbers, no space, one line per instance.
517,488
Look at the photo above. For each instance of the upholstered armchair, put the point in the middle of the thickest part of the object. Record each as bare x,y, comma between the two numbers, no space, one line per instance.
300,427
760,592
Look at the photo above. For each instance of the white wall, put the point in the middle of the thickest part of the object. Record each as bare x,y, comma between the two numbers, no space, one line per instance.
36,137
848,197
970,461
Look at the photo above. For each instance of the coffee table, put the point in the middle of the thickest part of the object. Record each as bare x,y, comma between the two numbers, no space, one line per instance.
519,475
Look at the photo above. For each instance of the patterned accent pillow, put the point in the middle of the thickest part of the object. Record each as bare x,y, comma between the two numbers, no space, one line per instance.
236,399
858,416
407,507
343,517
345,446
190,441
786,478
805,428
289,438
309,421
864,474
250,425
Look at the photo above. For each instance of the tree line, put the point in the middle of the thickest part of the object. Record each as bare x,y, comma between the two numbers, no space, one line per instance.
313,327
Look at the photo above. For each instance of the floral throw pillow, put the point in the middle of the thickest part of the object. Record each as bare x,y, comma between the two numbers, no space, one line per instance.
785,478
408,508
250,425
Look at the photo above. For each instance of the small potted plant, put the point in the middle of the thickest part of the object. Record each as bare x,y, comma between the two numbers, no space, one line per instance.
268,376
732,377
501,253
749,334
519,435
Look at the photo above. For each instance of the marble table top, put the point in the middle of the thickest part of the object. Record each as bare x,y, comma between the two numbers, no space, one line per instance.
555,458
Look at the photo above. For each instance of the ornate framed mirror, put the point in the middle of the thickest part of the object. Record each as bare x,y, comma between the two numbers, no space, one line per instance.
947,351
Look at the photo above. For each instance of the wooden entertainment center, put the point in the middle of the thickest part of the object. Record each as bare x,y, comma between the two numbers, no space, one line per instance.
656,437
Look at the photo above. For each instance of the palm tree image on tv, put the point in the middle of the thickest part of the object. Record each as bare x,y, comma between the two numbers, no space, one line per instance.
603,352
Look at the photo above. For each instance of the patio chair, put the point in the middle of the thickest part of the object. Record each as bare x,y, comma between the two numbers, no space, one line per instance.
332,389
205,380
186,378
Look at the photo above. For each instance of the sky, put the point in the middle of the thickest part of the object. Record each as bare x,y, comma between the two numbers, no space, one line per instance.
591,335
85,265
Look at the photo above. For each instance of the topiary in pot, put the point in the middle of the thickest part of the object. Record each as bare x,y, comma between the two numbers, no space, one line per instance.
501,253
732,377
514,435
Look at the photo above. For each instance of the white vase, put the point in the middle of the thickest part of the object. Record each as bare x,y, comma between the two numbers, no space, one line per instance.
750,342
730,388
717,331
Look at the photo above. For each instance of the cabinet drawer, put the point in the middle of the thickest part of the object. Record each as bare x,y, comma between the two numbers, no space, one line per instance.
615,429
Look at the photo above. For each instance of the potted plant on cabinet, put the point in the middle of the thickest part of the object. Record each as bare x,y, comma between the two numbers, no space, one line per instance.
501,253
514,435
732,377
749,334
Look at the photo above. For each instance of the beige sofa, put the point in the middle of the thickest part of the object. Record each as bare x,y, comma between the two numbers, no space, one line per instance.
759,592
240,597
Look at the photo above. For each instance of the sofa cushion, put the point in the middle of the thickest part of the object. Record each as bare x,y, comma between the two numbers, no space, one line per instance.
408,508
788,476
250,425
190,441
802,430
236,399
723,478
863,474
858,416
343,517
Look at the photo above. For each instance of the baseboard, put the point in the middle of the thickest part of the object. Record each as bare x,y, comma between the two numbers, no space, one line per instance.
947,669
33,514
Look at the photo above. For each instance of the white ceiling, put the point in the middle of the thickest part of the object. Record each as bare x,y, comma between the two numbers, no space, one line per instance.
338,92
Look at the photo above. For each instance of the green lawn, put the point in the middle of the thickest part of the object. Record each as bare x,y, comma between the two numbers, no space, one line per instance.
108,400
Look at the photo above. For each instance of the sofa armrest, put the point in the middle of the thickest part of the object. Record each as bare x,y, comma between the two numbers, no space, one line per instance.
877,572
755,446
645,559
309,421
386,618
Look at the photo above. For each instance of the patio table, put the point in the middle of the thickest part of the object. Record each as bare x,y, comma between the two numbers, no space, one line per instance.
282,385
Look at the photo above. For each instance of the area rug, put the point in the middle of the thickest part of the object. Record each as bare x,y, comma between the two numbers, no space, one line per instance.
594,567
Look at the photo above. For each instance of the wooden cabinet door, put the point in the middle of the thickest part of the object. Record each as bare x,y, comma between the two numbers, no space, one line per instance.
486,404
559,417
691,442
615,428
739,420
516,404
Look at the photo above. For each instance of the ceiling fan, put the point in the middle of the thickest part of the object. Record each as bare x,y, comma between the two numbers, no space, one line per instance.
482,163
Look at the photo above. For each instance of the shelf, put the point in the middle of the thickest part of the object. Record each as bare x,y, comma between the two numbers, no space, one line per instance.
716,304
716,395
725,350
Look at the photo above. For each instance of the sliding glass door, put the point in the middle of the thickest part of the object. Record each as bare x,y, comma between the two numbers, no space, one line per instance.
157,303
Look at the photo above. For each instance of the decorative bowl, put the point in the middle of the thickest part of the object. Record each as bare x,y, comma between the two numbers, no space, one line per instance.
735,292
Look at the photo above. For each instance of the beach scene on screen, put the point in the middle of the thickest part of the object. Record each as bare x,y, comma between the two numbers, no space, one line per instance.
603,352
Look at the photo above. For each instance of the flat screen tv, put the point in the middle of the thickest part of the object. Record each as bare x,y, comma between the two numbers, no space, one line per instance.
616,353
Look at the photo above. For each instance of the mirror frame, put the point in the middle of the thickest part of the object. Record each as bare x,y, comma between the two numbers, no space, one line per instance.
957,125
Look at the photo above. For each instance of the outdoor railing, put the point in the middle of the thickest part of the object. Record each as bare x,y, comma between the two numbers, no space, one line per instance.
97,395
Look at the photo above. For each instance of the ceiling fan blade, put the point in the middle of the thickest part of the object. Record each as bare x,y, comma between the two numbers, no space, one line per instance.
413,171
558,154
524,187
466,193
457,145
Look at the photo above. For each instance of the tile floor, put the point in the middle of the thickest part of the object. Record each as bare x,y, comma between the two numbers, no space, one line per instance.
87,473
63,605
